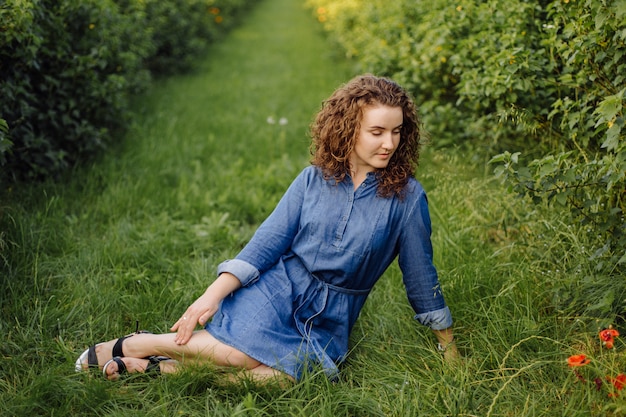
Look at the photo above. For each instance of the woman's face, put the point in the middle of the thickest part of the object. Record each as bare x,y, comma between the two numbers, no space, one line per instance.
378,138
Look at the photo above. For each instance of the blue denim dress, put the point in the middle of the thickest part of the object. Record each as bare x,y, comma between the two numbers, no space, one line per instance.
310,266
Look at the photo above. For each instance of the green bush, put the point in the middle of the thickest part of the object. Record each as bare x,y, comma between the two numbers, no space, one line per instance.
546,79
583,169
5,142
181,29
68,68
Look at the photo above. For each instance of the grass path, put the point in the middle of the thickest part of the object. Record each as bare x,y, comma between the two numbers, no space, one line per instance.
137,236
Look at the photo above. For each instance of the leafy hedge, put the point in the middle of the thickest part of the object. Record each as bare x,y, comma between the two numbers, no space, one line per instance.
68,68
540,85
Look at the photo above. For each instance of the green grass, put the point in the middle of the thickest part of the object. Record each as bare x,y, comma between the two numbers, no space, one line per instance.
138,235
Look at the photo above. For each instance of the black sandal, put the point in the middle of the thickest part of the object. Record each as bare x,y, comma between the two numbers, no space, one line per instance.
153,367
90,358
121,366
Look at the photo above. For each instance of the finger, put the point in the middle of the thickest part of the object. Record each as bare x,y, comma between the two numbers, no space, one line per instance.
204,318
185,328
207,316
178,323
180,336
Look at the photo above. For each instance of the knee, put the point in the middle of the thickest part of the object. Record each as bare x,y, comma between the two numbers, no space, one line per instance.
239,359
266,373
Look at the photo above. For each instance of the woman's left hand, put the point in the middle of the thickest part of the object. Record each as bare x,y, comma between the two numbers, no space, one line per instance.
447,345
451,354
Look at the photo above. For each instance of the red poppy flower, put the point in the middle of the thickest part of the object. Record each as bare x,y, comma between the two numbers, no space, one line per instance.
607,336
618,382
578,360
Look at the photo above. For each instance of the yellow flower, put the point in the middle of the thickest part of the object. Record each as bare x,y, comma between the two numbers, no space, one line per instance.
91,26
219,19
459,8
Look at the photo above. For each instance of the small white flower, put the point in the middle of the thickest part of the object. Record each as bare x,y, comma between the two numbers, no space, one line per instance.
283,121
270,120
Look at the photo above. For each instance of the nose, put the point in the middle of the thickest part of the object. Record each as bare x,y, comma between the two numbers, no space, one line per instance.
387,141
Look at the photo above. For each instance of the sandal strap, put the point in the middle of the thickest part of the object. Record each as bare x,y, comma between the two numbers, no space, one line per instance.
154,364
117,348
121,366
92,358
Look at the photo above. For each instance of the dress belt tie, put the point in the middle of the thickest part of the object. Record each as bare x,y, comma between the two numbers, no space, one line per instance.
343,290
317,305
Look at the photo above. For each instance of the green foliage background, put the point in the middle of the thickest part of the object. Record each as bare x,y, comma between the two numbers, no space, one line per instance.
68,68
538,88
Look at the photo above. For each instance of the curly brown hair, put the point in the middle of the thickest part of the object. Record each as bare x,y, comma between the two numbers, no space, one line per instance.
336,127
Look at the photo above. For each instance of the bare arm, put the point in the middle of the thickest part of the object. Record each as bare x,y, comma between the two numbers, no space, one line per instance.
204,307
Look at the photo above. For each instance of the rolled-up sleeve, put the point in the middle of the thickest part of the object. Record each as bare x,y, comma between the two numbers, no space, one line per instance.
436,320
244,272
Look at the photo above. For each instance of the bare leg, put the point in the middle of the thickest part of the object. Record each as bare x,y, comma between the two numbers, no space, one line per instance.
261,373
201,347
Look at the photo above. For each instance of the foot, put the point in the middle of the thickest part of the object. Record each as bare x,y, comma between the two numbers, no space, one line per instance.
153,365
97,355
113,369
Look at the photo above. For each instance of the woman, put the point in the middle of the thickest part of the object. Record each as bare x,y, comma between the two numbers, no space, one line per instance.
290,298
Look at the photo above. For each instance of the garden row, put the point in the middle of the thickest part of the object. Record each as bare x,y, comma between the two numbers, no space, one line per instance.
69,67
538,88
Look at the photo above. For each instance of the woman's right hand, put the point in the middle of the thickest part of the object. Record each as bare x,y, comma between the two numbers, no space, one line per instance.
204,307
197,313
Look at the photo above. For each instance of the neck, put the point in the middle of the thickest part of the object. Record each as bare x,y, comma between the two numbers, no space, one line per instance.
358,177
